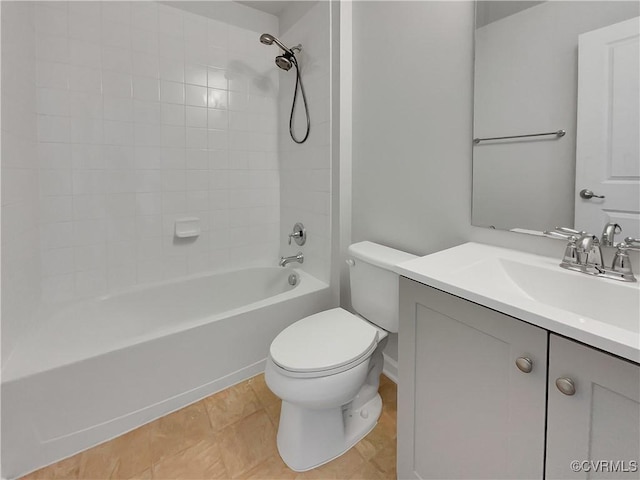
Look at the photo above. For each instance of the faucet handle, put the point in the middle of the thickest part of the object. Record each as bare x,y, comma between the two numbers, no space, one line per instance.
569,231
632,242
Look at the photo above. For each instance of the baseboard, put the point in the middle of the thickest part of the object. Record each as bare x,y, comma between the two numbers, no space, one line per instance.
390,368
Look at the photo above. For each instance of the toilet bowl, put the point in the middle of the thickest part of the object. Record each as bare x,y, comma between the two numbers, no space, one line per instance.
326,367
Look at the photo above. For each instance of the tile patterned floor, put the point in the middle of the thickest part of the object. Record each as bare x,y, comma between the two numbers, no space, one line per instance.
231,434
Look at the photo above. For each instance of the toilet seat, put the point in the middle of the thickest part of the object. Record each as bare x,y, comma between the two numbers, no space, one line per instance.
325,343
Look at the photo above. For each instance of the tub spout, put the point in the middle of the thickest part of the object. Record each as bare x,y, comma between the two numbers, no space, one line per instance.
295,258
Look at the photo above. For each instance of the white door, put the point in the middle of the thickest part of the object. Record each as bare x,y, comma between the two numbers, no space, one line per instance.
608,144
465,410
599,422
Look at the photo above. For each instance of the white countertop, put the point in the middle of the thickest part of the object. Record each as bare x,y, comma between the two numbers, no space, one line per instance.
596,311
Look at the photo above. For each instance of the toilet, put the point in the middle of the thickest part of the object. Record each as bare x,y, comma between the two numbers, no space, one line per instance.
326,367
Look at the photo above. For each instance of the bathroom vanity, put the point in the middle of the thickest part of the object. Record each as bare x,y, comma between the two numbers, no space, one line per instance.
501,376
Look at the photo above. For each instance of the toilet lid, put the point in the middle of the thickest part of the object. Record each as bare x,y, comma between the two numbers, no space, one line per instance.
323,341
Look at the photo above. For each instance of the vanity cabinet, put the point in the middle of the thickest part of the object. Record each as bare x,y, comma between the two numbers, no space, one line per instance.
601,420
465,410
468,408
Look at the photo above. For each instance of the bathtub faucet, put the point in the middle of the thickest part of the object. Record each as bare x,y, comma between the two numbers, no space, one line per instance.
295,258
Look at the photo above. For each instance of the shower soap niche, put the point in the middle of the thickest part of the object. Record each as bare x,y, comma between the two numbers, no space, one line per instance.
188,227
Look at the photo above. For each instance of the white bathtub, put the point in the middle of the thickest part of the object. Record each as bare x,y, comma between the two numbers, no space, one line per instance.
99,368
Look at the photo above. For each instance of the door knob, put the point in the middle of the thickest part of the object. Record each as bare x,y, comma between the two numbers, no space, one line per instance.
566,385
524,364
588,194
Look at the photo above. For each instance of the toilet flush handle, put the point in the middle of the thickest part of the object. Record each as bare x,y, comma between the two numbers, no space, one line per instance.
351,262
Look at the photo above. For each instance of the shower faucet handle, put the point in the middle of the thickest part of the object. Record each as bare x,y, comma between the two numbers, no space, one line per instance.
299,234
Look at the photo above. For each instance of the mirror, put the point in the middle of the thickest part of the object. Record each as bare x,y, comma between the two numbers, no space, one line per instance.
530,85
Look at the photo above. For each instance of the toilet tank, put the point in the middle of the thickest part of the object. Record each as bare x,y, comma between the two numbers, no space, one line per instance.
374,284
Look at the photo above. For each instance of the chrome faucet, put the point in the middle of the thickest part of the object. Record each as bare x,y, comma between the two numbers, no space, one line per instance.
295,258
583,253
621,263
608,233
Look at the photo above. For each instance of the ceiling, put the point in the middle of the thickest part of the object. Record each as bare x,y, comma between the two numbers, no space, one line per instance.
271,7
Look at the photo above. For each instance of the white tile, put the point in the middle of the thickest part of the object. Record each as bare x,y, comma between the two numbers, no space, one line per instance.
117,11
196,138
170,20
53,49
148,181
87,156
197,160
85,54
196,74
148,158
120,60
146,65
144,15
146,112
217,139
173,180
85,130
118,109
146,88
52,75
117,84
116,34
145,41
56,209
54,155
56,235
217,119
85,105
53,101
174,202
149,226
173,114
196,117
50,21
57,289
90,283
58,261
198,180
171,69
173,136
172,92
173,158
87,207
84,26
217,34
53,129
83,79
148,203
196,95
88,182
217,78
118,156
217,98
218,160
55,182
118,133
217,57
171,46
147,135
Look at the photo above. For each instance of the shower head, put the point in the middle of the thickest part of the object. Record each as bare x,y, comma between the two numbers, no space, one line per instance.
283,62
269,39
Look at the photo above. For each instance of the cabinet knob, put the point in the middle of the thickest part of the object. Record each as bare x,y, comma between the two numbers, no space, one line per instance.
566,385
524,364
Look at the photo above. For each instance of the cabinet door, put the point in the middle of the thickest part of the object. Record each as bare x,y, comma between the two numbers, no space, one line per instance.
465,410
600,421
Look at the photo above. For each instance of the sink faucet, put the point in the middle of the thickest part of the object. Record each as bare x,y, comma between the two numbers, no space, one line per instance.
584,254
609,231
295,258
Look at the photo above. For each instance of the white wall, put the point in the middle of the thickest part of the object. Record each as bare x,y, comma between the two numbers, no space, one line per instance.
412,81
20,207
148,113
306,169
526,78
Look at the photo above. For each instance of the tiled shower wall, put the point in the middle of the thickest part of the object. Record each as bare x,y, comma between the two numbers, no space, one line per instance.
146,114
20,207
305,169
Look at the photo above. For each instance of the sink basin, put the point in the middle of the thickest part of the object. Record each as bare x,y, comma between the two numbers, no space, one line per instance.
597,311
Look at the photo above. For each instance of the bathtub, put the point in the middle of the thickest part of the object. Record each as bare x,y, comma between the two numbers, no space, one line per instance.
99,368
